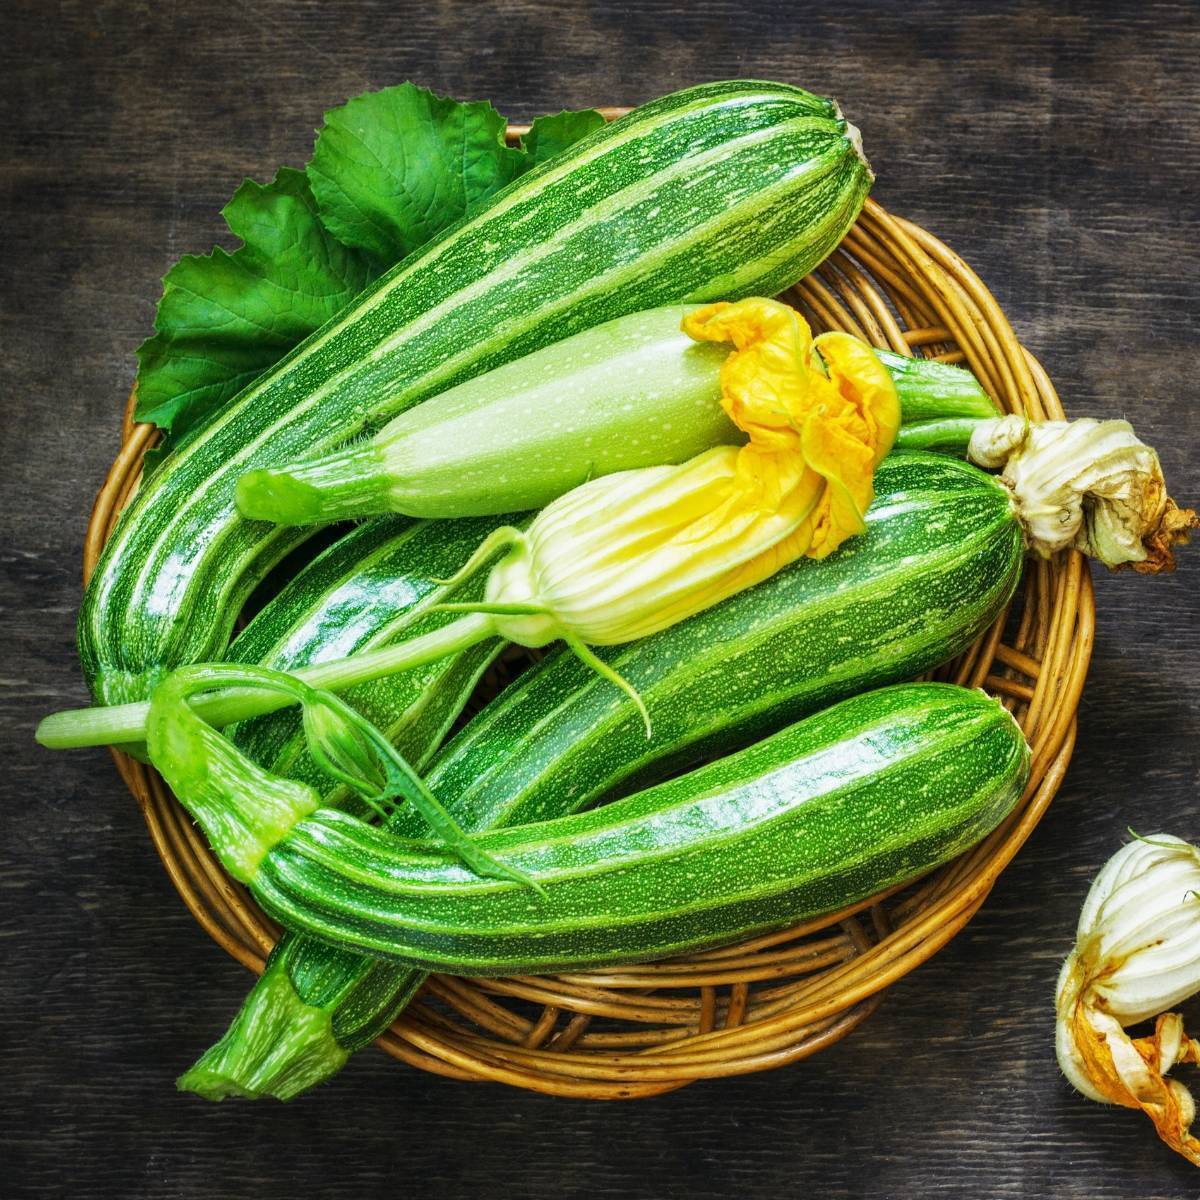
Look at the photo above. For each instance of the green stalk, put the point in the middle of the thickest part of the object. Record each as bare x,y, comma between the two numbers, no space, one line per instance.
277,1045
935,391
347,484
948,436
126,723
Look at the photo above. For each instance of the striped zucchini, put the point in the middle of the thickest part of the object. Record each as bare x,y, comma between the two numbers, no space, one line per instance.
940,558
723,190
362,592
870,793
367,590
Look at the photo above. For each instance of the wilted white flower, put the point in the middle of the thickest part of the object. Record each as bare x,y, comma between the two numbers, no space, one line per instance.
1088,484
1137,954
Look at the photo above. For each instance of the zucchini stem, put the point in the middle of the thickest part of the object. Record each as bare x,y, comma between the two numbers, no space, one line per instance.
277,1046
123,724
126,723
351,482
949,435
245,810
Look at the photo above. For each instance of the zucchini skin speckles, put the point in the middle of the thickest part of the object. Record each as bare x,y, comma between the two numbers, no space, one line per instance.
872,792
938,563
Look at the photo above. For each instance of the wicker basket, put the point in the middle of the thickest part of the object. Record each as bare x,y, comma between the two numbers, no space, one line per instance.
624,1033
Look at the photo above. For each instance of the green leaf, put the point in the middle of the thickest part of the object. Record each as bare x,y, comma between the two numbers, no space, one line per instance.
155,457
225,318
552,134
392,168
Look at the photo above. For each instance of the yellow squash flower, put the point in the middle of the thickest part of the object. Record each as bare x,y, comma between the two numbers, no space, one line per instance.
631,553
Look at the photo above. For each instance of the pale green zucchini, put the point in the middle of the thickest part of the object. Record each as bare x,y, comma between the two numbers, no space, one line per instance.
719,191
633,392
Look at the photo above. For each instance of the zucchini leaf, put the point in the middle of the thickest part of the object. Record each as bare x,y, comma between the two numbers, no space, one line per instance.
225,318
392,168
551,135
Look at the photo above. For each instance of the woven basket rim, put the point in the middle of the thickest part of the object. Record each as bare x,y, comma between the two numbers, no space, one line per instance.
625,1033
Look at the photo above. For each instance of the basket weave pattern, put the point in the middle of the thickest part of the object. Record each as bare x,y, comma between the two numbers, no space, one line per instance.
624,1033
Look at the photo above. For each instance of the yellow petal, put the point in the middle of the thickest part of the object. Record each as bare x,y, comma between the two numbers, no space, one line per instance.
765,382
801,422
845,462
862,379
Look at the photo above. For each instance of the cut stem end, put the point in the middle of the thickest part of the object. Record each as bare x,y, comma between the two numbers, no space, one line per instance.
351,483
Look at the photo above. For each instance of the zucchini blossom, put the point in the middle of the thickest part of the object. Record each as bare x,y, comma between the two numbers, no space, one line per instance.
1093,485
1137,953
628,554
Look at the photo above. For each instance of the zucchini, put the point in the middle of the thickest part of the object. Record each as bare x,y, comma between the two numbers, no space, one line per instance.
633,392
723,190
868,794
938,563
369,589
366,590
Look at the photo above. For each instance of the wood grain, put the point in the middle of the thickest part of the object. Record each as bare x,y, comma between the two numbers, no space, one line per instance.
1053,145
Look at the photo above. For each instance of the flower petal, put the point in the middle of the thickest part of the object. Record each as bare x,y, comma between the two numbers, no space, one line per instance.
765,382
864,381
1133,1073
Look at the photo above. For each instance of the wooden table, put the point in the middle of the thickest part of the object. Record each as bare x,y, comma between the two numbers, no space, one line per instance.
1056,150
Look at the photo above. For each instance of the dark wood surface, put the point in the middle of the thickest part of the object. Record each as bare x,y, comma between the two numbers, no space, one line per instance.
1053,145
